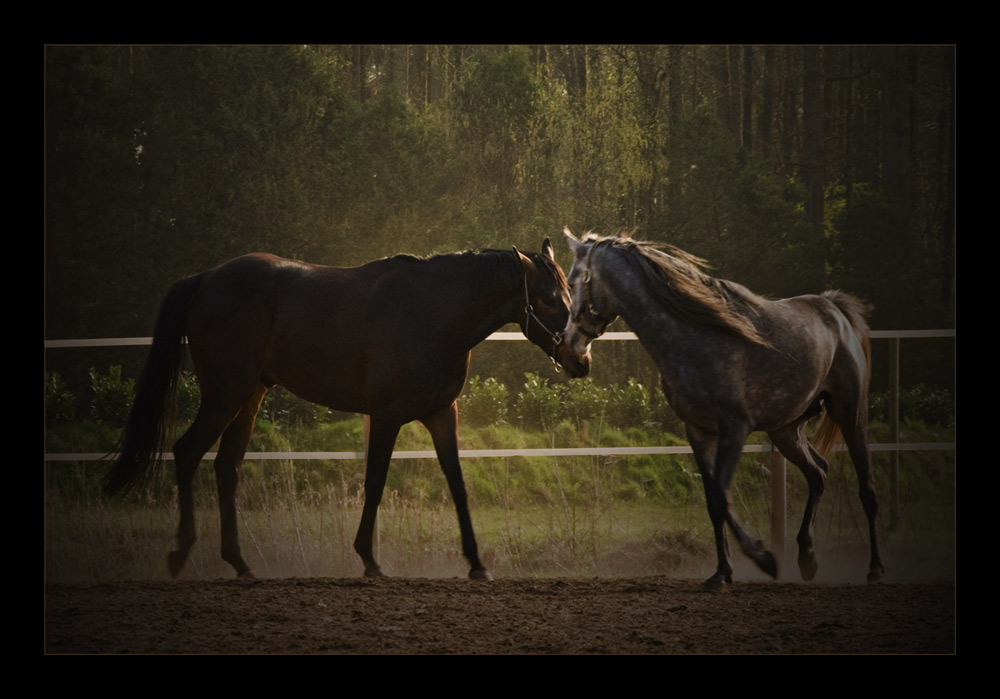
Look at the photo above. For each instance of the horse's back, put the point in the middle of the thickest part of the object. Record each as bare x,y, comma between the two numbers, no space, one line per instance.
239,297
813,346
341,337
259,317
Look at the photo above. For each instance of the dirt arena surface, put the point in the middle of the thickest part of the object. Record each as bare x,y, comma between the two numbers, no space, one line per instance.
651,615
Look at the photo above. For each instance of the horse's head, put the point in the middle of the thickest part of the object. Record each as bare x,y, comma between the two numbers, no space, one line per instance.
586,322
547,304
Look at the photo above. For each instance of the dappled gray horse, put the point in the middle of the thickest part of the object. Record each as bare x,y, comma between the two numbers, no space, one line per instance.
731,363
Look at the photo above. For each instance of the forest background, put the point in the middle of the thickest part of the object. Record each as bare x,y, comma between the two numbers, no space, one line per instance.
792,169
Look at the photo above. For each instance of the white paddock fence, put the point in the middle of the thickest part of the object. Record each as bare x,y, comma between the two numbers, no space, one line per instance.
778,468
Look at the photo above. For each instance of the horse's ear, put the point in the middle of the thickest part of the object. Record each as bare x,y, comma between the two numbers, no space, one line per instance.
529,266
571,240
547,249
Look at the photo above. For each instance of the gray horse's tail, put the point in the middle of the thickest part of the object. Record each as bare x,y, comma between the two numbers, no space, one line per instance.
856,311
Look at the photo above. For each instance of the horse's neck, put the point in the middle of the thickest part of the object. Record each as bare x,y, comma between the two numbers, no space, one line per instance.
485,307
628,298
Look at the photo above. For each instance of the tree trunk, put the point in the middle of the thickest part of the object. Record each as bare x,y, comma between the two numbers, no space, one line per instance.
812,157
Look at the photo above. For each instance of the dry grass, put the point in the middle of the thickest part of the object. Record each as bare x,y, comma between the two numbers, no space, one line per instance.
583,522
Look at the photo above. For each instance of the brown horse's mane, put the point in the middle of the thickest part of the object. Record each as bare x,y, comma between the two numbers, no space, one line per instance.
484,264
677,280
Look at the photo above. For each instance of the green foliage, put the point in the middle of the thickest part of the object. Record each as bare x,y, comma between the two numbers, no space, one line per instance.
494,98
869,232
111,397
189,155
188,397
539,403
281,406
932,406
584,401
663,415
60,404
484,402
746,219
630,405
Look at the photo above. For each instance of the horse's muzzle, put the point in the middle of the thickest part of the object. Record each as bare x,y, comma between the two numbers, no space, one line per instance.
576,366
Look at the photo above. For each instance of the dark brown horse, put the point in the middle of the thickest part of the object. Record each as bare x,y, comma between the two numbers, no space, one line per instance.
390,339
733,362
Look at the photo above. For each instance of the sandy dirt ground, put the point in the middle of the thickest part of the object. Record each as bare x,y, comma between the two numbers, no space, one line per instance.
647,615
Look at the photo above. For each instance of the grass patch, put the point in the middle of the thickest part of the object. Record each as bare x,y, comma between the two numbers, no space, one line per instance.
534,517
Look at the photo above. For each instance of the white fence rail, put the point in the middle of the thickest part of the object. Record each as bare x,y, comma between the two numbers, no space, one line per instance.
501,336
778,473
894,446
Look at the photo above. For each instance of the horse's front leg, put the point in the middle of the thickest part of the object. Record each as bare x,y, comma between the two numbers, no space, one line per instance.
443,427
381,441
705,446
727,459
717,474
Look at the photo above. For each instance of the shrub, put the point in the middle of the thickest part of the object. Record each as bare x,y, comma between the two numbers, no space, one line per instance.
188,396
663,415
60,403
111,396
539,403
585,400
281,405
921,402
484,403
630,405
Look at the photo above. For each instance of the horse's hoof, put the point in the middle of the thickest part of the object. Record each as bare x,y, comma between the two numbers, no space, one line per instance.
717,583
808,566
246,575
875,575
480,574
375,572
175,562
766,561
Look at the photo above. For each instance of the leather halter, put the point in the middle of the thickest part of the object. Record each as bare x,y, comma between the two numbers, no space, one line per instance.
588,302
529,313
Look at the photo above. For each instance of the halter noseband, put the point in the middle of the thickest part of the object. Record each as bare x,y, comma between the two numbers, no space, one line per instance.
588,302
529,313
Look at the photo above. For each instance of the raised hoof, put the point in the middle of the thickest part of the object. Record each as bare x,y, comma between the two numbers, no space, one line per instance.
480,574
808,566
875,575
766,561
175,562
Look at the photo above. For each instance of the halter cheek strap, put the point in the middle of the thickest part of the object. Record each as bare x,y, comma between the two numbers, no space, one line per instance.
529,313
588,302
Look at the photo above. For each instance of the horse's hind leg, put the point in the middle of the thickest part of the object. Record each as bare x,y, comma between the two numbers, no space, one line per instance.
442,427
848,408
214,416
188,452
855,437
792,443
227,464
381,440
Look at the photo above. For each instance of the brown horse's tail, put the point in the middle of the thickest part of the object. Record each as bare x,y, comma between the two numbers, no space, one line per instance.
151,418
856,311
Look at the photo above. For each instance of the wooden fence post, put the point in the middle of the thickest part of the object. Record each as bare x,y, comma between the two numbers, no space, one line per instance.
894,429
778,506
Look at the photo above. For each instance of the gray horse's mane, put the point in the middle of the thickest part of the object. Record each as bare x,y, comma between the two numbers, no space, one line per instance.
676,279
